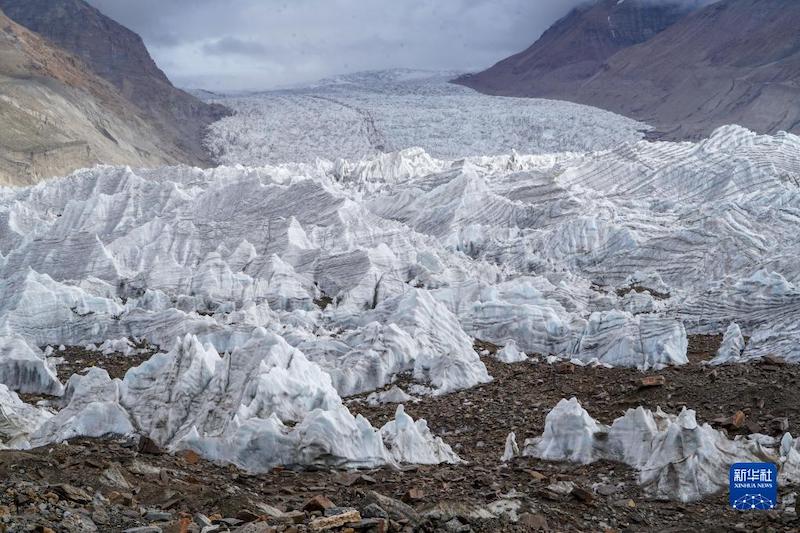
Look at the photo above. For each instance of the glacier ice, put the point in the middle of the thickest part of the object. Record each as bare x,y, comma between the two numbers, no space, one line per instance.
25,368
392,395
18,420
364,114
509,353
412,442
511,448
730,351
271,292
677,458
262,405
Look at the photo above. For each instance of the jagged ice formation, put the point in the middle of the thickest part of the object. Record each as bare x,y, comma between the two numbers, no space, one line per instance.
274,291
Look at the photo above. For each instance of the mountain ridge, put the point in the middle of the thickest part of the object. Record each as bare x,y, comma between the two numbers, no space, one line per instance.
58,116
119,55
576,46
733,61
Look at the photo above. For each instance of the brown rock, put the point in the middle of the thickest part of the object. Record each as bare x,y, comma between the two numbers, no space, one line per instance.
779,425
121,498
752,426
773,360
292,517
246,515
584,495
184,524
191,457
565,368
413,494
257,527
533,522
318,503
268,510
537,476
371,525
329,522
148,446
396,509
71,492
737,420
652,381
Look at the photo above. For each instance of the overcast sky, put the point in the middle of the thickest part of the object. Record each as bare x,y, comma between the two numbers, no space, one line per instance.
254,44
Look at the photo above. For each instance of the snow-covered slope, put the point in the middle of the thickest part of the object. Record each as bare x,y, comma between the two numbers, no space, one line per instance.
361,115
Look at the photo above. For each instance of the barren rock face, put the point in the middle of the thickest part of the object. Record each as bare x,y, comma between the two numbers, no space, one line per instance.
57,115
577,46
118,55
731,62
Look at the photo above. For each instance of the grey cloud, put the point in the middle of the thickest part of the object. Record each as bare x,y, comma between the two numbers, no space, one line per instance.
253,44
234,46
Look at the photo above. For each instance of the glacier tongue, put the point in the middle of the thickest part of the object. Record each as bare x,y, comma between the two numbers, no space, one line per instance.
273,291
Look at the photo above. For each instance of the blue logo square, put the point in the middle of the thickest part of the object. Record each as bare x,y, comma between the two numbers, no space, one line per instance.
753,486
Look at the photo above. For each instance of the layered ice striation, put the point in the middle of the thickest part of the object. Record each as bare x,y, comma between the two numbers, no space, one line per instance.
363,114
272,292
18,420
263,404
677,458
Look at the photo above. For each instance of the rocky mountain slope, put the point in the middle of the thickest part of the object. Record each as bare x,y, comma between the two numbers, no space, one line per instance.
57,116
577,46
734,61
118,55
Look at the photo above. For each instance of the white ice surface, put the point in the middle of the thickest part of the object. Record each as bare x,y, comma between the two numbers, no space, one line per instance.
273,291
393,395
262,405
511,448
509,353
360,115
677,458
732,347
25,368
18,420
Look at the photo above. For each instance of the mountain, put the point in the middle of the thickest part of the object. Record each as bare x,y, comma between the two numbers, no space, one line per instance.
577,46
734,61
119,55
57,115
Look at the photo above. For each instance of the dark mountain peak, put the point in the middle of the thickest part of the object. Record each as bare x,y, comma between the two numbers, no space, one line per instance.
686,67
119,55
578,45
109,48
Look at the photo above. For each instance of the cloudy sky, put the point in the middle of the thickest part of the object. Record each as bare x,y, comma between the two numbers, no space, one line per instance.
253,44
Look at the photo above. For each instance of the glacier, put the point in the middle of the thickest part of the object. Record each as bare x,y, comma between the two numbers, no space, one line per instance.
677,458
277,286
361,115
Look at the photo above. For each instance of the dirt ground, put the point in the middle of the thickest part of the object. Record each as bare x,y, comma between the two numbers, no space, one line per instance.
126,485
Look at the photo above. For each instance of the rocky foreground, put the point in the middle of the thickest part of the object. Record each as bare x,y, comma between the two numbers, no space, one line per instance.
124,484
